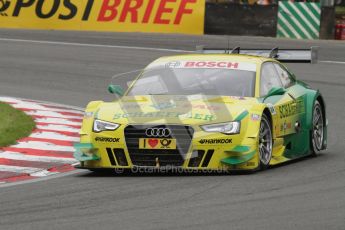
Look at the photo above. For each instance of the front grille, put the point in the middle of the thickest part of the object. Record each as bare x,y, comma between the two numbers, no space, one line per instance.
166,157
197,157
111,156
208,157
120,157
195,160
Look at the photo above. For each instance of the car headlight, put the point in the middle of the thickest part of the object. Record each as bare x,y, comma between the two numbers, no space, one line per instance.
226,128
99,126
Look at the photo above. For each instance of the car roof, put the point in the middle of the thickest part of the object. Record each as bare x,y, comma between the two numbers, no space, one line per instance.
214,57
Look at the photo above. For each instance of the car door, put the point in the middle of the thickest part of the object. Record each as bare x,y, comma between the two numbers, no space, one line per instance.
280,105
294,111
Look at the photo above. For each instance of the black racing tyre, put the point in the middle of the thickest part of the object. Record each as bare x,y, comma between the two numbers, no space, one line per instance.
317,130
265,142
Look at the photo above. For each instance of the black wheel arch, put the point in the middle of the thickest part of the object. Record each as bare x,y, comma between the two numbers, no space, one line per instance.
320,99
269,116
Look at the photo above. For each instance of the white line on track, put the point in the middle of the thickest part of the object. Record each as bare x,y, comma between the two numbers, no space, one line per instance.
95,45
54,136
35,106
118,47
46,103
333,62
42,146
58,128
51,114
38,179
59,121
24,157
42,173
32,171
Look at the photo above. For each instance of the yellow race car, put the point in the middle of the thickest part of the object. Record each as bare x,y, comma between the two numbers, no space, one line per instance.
216,110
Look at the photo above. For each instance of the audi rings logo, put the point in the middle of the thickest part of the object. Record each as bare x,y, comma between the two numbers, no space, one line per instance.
158,132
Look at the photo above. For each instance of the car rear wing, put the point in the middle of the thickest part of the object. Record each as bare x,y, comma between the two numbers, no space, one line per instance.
282,55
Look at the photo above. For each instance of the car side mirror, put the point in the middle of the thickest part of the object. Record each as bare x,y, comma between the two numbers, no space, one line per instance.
116,89
275,91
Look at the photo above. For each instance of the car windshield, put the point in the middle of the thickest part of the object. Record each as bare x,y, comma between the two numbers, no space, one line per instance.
190,81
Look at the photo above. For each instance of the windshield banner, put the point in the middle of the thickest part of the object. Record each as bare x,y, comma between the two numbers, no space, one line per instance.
165,16
235,65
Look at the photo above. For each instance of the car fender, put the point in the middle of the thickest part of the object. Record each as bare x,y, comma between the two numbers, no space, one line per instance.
253,124
89,115
311,97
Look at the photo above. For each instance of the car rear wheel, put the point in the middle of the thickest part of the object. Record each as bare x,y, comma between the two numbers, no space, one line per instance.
317,131
265,142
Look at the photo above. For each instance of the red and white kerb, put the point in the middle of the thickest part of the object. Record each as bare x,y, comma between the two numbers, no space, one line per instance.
49,149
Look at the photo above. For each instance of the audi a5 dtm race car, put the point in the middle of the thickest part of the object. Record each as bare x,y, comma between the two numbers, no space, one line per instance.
217,110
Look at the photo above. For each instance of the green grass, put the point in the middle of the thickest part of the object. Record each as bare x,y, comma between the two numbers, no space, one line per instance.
14,124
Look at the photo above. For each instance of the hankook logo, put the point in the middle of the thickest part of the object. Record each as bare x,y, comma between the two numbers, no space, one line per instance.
107,139
215,141
158,132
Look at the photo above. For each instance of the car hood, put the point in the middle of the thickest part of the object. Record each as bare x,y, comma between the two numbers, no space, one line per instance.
192,109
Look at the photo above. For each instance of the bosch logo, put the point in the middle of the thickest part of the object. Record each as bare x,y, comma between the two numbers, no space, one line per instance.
158,132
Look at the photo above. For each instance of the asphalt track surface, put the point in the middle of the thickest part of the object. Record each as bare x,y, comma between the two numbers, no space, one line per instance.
306,194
